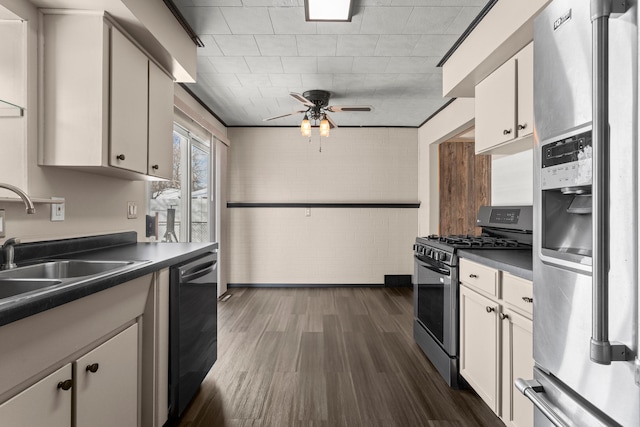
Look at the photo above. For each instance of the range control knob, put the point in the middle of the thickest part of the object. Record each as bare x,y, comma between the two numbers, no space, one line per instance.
442,256
434,254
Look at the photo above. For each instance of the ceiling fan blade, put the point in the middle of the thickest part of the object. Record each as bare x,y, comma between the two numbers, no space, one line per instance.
301,99
284,115
332,124
348,108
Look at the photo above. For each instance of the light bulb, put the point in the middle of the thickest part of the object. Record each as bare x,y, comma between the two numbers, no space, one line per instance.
324,127
305,127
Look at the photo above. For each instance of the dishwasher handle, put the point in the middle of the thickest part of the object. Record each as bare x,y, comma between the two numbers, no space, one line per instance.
197,272
534,392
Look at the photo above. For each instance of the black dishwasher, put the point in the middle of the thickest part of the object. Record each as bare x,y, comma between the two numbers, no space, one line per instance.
193,328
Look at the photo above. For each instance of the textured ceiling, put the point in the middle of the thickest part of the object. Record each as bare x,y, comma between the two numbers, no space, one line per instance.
257,51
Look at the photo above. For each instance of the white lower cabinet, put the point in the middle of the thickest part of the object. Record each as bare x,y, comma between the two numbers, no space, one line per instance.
102,384
106,382
517,362
93,345
479,345
496,339
45,403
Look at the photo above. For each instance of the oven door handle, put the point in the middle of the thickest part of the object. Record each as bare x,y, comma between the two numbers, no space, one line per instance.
433,267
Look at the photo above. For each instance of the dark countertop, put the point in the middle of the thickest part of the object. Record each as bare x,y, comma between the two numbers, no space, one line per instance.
156,255
518,262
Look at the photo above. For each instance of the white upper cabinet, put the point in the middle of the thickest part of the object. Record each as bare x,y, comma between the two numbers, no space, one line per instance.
504,106
524,63
160,123
128,105
105,103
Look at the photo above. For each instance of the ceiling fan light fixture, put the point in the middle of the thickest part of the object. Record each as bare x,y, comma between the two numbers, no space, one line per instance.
305,127
328,10
324,127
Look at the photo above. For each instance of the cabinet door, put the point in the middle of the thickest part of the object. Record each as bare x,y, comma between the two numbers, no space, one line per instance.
496,107
128,107
109,396
160,123
42,404
479,345
517,362
525,90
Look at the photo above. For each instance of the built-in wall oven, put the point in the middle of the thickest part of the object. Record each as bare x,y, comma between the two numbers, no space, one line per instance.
436,281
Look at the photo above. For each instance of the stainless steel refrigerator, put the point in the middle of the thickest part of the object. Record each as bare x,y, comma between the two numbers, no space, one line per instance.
585,270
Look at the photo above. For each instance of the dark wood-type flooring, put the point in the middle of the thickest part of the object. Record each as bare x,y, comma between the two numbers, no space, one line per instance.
326,357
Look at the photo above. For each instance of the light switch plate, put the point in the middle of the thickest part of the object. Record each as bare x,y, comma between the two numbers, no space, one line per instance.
2,233
132,210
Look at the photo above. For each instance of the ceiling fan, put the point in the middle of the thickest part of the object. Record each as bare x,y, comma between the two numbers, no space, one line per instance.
317,103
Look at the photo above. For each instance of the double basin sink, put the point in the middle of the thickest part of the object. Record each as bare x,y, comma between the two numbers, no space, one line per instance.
22,280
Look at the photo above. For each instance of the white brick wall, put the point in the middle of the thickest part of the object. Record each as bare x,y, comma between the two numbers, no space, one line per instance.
333,245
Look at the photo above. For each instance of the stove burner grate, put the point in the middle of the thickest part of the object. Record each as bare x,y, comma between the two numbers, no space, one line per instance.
477,242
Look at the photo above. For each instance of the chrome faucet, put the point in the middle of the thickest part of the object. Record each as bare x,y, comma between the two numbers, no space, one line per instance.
7,251
27,201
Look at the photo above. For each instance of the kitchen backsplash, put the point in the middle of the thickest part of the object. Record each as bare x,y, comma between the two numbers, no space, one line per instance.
512,179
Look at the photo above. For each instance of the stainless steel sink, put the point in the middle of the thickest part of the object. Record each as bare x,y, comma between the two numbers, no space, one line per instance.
13,287
63,269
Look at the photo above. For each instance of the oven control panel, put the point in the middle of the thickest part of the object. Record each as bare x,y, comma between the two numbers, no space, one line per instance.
431,253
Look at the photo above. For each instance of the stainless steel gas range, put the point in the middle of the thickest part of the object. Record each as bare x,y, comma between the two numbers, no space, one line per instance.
436,281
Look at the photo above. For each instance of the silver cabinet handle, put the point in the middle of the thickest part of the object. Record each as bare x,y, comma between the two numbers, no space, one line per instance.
534,392
507,131
503,316
490,309
473,276
120,157
522,126
527,299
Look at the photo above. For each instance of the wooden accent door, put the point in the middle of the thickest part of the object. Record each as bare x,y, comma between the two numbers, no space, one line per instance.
465,185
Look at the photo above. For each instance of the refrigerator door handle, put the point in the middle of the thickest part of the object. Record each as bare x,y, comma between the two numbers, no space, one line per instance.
535,393
601,350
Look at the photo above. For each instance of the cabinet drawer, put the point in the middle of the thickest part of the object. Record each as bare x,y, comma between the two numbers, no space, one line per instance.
479,276
518,292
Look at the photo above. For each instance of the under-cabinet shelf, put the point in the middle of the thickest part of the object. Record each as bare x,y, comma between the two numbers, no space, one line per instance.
35,200
8,109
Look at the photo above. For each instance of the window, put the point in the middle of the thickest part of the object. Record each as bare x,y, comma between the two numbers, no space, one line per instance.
184,205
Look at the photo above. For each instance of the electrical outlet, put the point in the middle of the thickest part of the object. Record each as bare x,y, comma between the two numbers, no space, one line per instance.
307,211
132,210
57,210
2,234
